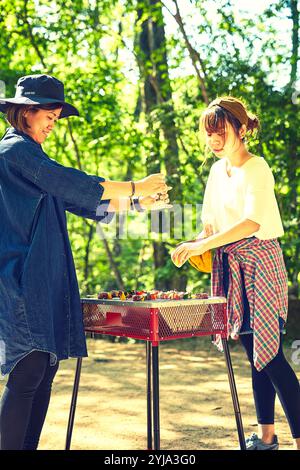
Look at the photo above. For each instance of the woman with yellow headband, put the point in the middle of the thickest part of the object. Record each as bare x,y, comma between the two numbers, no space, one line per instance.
242,222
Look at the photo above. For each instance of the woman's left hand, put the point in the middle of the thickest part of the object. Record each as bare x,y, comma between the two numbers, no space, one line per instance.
185,250
156,202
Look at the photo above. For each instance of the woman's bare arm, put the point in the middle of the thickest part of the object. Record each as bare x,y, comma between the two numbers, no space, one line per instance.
237,232
152,184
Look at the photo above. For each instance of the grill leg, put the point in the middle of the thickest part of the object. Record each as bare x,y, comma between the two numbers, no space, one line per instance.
234,396
149,401
73,404
155,373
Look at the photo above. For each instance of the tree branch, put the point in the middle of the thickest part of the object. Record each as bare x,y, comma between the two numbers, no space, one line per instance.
112,263
77,153
194,55
31,35
295,40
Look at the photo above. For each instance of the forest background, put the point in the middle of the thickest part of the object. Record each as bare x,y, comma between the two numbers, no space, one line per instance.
141,72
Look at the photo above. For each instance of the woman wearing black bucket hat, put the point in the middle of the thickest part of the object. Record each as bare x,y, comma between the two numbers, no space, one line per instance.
40,312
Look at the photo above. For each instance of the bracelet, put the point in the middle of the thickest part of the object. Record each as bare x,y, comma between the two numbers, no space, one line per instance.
137,205
132,189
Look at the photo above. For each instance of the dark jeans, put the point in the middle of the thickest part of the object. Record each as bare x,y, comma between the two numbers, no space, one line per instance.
25,401
276,378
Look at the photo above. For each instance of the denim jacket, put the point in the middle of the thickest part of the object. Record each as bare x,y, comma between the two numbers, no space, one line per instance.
39,296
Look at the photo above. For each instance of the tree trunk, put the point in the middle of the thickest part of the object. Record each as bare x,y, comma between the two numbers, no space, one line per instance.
293,142
197,62
152,61
295,40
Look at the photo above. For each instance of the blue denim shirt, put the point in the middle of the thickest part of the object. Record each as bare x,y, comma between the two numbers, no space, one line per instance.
39,296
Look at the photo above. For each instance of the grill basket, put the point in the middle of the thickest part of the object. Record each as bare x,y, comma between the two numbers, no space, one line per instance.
158,320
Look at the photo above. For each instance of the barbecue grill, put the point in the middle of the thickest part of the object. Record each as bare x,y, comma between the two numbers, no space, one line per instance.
155,321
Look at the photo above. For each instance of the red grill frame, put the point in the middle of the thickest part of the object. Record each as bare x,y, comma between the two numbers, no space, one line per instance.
162,320
156,321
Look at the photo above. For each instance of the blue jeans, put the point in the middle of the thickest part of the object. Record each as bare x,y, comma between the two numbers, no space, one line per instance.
25,401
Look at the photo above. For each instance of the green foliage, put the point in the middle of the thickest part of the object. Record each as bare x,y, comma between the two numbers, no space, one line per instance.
90,46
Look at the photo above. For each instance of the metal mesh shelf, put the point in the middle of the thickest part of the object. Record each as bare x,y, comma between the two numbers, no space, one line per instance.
158,320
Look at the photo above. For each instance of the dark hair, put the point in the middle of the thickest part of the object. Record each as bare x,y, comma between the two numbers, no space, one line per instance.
15,113
213,120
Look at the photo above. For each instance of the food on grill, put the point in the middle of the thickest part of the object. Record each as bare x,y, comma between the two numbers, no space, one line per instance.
136,298
151,295
105,295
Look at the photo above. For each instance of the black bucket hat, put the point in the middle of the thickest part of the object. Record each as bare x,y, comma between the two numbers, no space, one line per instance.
40,89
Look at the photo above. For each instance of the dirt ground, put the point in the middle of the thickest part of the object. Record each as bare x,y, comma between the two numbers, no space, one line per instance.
195,403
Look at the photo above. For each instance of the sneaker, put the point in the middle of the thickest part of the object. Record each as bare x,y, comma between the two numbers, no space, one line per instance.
255,443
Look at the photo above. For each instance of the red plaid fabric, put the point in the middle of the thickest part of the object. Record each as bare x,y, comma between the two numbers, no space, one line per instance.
267,291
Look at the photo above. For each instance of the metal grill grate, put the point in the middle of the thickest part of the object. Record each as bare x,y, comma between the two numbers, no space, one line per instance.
133,322
155,321
191,320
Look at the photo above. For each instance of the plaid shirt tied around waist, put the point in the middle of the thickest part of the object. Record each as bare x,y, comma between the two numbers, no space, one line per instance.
266,286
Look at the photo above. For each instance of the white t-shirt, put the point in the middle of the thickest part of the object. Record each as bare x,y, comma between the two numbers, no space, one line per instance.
247,194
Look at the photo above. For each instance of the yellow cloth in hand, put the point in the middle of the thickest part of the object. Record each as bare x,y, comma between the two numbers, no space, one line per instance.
202,262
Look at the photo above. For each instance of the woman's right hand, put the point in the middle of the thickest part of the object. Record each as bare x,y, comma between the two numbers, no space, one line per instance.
152,184
207,231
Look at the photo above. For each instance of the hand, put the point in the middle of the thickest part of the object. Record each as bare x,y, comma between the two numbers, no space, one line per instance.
206,232
157,202
185,250
152,184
